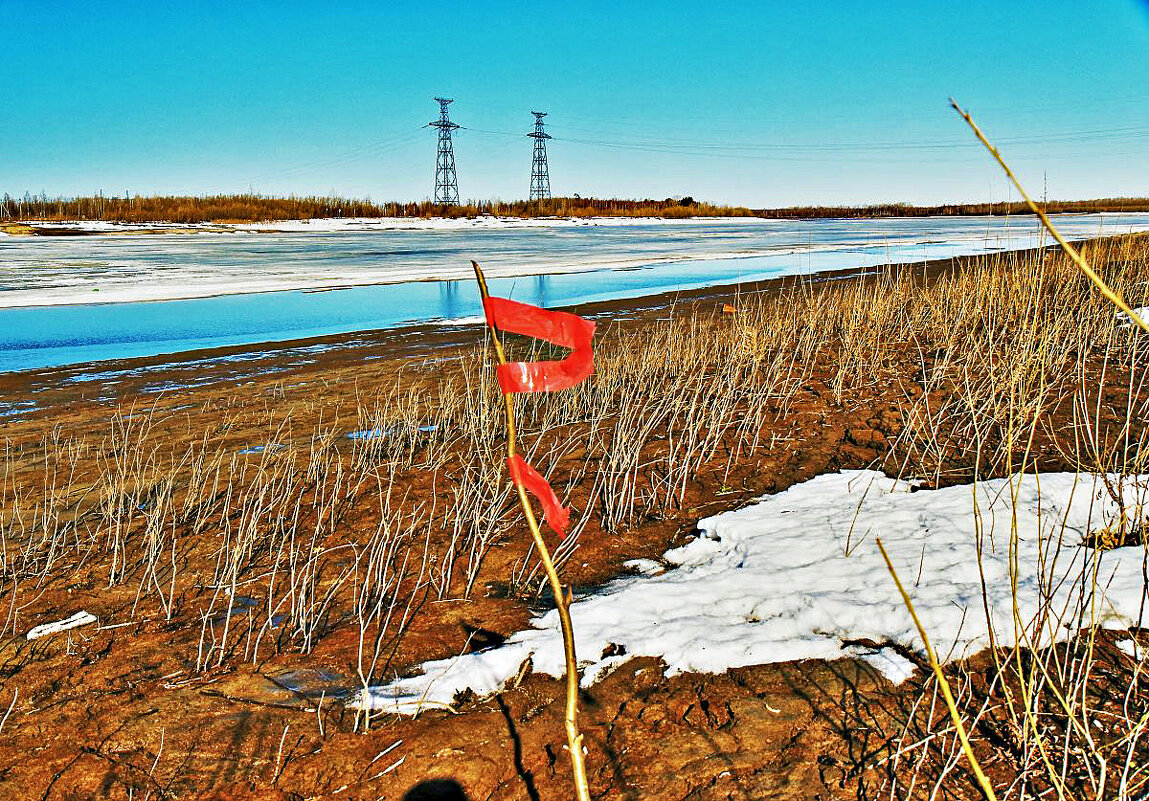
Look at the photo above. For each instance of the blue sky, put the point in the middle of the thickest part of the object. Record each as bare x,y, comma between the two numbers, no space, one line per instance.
764,104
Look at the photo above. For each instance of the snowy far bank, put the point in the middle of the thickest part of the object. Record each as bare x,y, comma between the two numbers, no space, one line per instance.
325,225
361,224
797,575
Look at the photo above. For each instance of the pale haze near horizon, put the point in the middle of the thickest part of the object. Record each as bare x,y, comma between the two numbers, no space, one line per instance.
760,104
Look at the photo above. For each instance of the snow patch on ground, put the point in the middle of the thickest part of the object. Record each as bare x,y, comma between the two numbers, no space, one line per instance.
81,618
1142,312
1129,648
798,576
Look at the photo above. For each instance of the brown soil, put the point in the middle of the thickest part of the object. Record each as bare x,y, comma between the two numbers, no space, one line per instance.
118,711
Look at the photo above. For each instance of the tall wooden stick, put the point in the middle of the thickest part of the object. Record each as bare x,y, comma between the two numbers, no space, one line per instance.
561,593
1070,251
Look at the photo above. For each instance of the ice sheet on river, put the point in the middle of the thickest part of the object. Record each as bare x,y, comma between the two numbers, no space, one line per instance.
332,254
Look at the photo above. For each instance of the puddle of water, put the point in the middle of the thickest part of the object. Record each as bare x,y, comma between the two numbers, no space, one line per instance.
383,433
291,688
12,409
272,447
315,682
244,605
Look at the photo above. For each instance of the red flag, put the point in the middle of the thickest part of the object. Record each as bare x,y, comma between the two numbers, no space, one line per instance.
559,328
523,475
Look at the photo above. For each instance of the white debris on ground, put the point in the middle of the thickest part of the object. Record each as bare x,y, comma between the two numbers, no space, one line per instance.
798,576
81,618
646,567
1127,322
1129,648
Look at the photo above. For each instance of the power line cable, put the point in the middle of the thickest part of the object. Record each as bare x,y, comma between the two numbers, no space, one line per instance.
361,153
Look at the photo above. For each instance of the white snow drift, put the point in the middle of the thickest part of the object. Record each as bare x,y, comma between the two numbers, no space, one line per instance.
798,574
81,618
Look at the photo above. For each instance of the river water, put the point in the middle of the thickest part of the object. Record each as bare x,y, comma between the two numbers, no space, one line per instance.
70,300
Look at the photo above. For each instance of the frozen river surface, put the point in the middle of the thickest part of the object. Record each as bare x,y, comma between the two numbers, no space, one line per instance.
68,300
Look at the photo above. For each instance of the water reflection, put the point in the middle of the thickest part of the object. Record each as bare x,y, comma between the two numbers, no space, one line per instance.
541,290
449,302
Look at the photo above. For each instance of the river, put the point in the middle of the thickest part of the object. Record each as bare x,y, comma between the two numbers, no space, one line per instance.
72,300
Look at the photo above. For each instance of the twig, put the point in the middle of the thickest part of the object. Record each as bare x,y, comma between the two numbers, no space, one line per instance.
4,719
561,593
1070,251
279,766
986,787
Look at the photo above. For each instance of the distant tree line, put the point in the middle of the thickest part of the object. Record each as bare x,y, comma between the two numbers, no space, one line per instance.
257,208
1117,204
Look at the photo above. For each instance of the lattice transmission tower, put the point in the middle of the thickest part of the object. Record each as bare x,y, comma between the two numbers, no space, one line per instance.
540,172
446,183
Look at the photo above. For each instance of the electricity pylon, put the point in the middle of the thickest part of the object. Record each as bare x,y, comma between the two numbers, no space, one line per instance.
540,172
446,183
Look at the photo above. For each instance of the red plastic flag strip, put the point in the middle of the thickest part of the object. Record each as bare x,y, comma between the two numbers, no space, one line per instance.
523,475
559,328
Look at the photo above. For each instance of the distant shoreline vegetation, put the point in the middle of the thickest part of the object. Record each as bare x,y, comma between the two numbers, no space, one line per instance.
258,208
